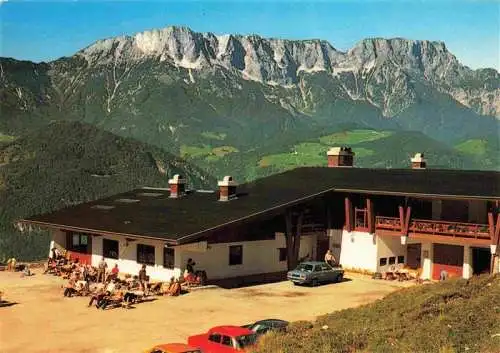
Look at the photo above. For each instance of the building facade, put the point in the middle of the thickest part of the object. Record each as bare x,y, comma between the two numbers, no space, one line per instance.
371,219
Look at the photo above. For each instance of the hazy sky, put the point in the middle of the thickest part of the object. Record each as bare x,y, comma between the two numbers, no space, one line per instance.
45,30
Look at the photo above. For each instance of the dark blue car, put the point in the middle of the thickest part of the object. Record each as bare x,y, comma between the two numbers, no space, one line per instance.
314,273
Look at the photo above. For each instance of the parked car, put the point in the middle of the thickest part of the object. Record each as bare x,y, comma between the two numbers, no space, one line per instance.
262,326
224,339
173,348
315,272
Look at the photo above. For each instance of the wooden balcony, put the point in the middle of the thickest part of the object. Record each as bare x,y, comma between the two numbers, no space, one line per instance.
436,228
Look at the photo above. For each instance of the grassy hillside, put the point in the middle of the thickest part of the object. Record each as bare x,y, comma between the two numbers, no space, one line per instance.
450,317
483,150
373,148
69,163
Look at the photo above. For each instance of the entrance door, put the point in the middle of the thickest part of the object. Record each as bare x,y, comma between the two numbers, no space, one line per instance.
322,246
481,259
80,246
449,258
413,255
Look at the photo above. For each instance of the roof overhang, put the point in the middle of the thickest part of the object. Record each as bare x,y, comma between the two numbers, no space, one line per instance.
195,236
93,231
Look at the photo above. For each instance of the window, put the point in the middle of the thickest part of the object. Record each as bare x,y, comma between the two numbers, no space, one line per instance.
401,259
110,248
226,340
383,261
317,268
145,254
168,257
236,255
325,267
283,254
79,242
360,218
214,337
392,260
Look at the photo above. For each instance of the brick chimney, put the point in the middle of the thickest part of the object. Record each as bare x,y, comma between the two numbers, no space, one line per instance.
418,161
340,157
227,188
177,186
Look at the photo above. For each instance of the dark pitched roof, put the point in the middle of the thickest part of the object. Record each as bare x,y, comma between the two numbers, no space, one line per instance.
177,220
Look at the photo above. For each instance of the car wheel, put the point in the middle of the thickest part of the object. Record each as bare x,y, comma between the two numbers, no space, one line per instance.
340,277
314,282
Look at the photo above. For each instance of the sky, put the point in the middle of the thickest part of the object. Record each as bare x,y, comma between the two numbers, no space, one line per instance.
45,30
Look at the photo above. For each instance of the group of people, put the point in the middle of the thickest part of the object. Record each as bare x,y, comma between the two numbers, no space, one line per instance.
103,286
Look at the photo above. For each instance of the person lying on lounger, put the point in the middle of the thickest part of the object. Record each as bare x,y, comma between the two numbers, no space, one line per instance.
174,289
113,299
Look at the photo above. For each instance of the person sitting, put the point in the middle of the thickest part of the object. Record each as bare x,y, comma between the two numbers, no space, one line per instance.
115,298
174,289
330,259
70,289
26,271
99,293
114,273
108,292
189,275
56,254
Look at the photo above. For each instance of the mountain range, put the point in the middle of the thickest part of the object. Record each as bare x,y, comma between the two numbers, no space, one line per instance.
250,106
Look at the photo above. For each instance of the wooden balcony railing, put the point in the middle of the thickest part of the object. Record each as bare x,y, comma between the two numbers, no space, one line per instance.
443,228
389,223
467,230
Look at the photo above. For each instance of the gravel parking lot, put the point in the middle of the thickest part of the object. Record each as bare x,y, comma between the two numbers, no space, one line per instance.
44,321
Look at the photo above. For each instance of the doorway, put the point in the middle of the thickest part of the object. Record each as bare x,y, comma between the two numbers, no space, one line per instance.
481,259
322,246
413,256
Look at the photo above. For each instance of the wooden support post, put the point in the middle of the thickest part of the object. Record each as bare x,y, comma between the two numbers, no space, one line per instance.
491,227
371,216
407,220
496,236
402,219
348,214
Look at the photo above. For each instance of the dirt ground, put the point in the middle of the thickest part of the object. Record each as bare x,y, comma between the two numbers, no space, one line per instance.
42,320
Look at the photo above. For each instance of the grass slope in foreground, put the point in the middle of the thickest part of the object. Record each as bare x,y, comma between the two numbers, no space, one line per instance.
449,317
67,163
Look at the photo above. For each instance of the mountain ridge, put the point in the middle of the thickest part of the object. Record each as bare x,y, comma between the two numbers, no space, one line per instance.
299,90
275,61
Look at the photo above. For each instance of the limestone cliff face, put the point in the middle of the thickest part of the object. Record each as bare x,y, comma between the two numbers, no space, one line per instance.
381,68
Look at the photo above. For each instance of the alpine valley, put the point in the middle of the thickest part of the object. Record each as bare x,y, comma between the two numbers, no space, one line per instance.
244,106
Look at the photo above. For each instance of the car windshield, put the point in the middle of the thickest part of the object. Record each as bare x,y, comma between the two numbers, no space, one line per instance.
246,340
305,267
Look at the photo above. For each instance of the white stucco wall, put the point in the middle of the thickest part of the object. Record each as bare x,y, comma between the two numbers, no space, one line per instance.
467,270
388,246
58,240
258,257
427,260
127,257
359,251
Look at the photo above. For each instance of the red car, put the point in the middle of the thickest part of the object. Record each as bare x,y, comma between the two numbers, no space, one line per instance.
224,339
